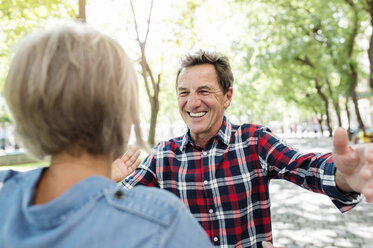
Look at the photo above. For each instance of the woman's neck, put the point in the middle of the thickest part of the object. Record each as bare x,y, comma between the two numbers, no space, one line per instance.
66,170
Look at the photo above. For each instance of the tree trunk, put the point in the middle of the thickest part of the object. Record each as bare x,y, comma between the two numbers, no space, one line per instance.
319,120
353,73
353,96
370,49
324,98
153,95
81,16
335,102
151,85
153,122
348,115
370,55
326,104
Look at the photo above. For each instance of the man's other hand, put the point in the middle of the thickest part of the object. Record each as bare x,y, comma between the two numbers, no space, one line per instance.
124,166
266,244
354,165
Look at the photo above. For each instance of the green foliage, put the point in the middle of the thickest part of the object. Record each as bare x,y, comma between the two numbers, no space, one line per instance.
277,48
184,29
19,17
298,42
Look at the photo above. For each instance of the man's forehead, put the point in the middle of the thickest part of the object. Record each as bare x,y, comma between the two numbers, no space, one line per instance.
197,84
201,68
198,76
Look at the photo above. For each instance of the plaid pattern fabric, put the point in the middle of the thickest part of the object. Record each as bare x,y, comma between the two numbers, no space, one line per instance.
225,184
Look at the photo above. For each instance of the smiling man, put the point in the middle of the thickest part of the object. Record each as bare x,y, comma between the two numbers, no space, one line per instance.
222,171
202,101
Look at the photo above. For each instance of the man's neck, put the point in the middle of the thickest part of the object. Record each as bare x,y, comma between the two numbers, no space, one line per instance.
201,140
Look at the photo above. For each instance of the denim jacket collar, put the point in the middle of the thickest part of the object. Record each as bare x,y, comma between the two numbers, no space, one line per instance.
64,205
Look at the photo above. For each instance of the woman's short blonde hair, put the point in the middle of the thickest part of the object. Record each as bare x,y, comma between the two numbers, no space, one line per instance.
72,88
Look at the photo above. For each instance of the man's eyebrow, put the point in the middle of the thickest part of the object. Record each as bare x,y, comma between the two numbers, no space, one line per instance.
181,88
204,87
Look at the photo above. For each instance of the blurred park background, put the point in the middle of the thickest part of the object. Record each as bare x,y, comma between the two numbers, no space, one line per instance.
301,67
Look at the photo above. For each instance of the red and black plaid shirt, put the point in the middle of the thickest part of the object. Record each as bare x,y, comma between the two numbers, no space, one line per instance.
225,184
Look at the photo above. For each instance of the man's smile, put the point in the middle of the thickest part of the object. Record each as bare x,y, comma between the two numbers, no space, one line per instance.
198,114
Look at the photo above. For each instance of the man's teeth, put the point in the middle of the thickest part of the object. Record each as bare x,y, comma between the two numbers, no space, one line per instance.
197,114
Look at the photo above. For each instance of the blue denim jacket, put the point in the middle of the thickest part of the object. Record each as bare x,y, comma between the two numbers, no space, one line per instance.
94,213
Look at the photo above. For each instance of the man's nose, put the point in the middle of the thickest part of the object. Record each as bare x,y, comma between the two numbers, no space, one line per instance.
193,101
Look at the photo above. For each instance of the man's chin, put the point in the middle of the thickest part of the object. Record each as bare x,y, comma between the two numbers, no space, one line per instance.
196,126
197,130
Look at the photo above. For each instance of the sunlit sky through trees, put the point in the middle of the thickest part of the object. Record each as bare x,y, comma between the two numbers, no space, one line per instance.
278,51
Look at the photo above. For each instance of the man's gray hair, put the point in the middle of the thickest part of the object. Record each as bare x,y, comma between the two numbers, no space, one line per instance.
220,62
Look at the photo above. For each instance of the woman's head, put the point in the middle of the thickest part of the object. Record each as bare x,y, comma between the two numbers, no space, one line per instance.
72,89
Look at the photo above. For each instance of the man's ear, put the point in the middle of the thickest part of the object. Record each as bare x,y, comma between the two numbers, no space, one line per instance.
228,97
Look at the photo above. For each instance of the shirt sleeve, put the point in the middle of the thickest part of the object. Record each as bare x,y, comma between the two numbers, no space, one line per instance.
145,174
312,171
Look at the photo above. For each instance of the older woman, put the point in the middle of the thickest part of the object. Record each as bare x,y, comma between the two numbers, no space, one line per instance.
73,94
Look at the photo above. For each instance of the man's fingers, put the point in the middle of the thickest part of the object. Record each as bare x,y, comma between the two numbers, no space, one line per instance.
132,148
266,244
340,141
135,165
135,156
368,152
131,156
368,192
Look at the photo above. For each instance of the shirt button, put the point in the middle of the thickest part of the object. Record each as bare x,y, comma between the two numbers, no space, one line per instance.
204,153
119,195
211,211
206,182
216,239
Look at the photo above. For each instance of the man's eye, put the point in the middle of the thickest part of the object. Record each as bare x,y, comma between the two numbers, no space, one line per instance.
183,93
204,92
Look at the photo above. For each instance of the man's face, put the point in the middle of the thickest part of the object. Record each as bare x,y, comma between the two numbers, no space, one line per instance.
201,101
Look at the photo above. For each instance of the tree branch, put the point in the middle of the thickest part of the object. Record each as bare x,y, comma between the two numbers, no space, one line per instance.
150,74
149,17
146,71
305,61
135,22
145,77
354,30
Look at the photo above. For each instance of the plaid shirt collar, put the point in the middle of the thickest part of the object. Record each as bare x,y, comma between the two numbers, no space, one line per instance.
224,134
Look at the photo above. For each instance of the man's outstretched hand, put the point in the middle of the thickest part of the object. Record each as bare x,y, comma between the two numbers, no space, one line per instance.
124,166
266,244
354,165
